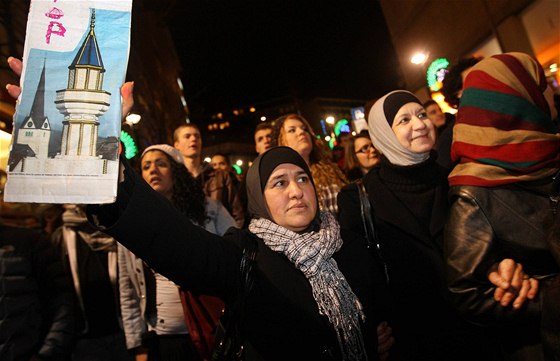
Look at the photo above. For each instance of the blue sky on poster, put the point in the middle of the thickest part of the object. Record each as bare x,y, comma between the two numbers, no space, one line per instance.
112,29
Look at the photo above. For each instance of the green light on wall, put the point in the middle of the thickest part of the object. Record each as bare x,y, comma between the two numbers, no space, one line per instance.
237,169
436,72
130,149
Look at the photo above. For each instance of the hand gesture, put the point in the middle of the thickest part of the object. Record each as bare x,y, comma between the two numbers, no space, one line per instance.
513,285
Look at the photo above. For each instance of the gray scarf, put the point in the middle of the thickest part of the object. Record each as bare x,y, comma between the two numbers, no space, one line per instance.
311,253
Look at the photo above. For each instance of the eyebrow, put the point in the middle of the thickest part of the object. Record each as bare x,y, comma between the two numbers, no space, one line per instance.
283,175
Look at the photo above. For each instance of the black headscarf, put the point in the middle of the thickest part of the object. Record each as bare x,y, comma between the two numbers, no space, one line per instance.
260,171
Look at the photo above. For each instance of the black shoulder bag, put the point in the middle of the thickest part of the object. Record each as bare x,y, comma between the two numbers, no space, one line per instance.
228,344
369,226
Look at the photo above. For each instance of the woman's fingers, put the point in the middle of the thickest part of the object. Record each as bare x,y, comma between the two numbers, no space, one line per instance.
534,289
385,338
515,285
501,274
16,65
127,92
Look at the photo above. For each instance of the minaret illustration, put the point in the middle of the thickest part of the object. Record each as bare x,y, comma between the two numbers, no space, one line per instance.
81,104
84,100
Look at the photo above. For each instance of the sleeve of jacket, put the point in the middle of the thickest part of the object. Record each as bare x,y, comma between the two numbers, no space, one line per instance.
237,210
133,324
470,249
154,230
56,292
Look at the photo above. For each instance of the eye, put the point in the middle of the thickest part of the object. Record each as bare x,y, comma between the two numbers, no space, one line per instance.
291,130
162,164
403,120
279,183
146,166
303,179
422,115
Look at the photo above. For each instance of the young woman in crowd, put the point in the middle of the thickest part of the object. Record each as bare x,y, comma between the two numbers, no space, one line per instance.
294,131
408,196
505,205
360,156
152,313
300,305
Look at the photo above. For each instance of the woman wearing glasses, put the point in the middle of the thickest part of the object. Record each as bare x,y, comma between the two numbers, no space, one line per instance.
360,156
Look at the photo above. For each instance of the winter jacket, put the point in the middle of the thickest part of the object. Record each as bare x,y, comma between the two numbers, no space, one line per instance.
487,225
36,303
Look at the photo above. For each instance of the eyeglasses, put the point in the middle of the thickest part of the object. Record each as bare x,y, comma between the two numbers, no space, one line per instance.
365,149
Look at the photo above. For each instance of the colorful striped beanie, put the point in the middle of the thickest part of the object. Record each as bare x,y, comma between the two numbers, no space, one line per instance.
504,132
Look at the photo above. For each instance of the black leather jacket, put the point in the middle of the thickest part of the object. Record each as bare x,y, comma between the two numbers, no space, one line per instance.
485,226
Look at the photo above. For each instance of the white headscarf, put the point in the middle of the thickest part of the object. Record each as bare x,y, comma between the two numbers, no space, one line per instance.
383,136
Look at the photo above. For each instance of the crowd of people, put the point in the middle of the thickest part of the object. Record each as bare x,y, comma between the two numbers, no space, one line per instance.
432,236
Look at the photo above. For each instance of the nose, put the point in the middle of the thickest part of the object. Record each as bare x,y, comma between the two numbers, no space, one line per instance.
294,190
418,123
153,168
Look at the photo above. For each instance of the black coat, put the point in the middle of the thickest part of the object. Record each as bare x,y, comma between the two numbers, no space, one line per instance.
36,302
282,321
415,303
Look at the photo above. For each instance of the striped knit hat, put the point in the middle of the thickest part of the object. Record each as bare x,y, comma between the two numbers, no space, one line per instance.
504,132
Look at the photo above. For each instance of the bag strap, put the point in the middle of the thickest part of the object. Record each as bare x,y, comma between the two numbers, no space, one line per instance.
231,340
369,226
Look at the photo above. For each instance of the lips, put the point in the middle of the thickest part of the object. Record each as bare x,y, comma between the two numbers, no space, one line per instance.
420,137
297,206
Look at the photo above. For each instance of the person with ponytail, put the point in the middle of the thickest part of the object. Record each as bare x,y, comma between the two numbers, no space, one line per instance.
499,238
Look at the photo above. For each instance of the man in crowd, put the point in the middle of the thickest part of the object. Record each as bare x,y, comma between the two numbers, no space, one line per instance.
217,184
263,137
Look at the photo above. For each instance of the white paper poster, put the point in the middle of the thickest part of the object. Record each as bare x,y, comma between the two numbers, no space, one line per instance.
67,122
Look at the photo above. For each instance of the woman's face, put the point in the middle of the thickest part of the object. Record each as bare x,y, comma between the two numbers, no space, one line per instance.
156,170
366,153
290,197
297,137
413,128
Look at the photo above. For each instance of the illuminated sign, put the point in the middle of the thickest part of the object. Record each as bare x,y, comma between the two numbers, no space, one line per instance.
130,149
237,168
342,126
436,72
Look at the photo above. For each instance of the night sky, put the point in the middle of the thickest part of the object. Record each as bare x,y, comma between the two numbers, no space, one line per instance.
242,52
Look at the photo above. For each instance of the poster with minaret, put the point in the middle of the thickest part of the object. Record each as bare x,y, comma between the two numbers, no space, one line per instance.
65,142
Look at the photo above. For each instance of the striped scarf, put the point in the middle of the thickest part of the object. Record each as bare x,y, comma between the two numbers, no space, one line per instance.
311,253
504,132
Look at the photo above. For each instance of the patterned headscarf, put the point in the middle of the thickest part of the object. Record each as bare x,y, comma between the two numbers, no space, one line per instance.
310,252
504,132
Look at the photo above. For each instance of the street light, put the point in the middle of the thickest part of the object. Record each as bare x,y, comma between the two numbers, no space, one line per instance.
419,58
330,120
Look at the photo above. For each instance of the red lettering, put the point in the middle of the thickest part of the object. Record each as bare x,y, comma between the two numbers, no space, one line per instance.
55,28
